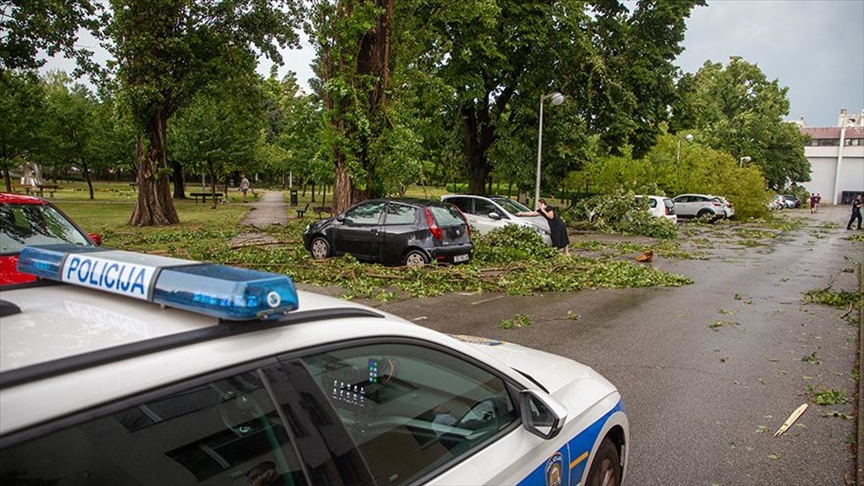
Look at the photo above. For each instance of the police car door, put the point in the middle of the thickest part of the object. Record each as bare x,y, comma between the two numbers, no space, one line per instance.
420,414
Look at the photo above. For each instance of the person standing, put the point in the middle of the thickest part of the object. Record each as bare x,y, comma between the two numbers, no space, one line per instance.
244,187
856,212
557,228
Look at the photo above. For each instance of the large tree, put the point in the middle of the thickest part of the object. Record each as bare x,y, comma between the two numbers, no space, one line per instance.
22,102
352,38
219,131
166,51
612,63
72,127
738,110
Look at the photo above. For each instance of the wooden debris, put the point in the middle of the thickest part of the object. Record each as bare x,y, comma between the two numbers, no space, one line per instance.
791,420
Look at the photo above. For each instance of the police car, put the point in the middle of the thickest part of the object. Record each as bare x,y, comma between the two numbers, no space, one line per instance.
124,368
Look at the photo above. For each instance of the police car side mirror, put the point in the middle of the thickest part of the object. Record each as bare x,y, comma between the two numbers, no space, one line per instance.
494,216
543,416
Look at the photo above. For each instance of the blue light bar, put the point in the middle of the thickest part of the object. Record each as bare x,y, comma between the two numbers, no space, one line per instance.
221,291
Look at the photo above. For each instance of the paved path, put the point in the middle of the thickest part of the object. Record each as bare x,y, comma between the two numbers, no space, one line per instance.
270,208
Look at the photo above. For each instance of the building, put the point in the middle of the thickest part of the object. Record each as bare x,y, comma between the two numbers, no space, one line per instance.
836,156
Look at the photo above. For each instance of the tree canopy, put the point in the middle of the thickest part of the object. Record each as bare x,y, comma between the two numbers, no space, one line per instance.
738,110
166,52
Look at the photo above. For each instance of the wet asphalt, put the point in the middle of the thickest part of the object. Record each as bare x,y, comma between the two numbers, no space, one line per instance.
709,371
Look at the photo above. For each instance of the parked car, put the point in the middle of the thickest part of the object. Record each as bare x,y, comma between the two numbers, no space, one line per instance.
493,212
702,205
792,201
394,232
778,202
31,220
775,204
728,208
660,206
225,375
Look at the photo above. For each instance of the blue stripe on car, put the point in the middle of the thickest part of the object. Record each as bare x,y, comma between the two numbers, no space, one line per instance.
579,448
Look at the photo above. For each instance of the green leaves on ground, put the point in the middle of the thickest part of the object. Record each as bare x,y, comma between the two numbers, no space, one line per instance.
839,299
828,397
514,261
519,320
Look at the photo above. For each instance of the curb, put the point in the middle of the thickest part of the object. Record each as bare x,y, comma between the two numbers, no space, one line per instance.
859,456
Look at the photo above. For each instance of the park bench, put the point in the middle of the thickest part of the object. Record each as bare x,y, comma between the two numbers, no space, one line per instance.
205,195
301,212
39,189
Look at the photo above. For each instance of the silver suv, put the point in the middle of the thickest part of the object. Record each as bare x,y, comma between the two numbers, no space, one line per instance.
702,205
493,212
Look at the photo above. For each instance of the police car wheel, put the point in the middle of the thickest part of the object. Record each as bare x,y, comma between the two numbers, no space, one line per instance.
606,467
320,247
416,258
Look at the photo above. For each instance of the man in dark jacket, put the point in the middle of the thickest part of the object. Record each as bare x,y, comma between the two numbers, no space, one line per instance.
856,212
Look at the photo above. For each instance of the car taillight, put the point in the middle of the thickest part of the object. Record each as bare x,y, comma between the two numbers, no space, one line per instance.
433,226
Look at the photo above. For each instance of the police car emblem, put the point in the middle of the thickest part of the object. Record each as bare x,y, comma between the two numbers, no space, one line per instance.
554,471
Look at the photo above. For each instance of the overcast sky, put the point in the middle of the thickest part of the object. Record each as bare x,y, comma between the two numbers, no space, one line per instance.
815,48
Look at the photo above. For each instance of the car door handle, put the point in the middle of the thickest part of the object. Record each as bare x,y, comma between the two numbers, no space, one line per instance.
374,231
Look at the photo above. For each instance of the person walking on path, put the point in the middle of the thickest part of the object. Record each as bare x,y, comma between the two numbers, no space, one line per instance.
856,212
557,228
244,187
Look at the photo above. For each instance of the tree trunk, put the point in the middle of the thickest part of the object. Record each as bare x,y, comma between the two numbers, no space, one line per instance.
7,178
154,206
477,140
212,170
179,180
86,171
342,187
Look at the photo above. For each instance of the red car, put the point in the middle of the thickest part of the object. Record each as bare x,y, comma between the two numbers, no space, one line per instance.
30,220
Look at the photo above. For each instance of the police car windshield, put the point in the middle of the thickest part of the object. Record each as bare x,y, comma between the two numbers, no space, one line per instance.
33,224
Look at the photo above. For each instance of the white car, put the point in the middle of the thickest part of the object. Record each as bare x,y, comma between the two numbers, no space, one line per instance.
702,205
123,368
660,207
494,212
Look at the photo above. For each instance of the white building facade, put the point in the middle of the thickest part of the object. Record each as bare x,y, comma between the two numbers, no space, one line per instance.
836,156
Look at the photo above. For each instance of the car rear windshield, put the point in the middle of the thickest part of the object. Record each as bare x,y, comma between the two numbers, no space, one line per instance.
447,215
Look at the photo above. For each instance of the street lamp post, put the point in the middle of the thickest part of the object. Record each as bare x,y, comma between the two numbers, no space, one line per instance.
741,161
689,138
557,98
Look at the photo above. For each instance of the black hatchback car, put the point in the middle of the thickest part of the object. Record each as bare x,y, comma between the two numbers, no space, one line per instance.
394,232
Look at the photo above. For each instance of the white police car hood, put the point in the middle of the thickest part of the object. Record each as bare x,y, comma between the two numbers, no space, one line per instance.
558,375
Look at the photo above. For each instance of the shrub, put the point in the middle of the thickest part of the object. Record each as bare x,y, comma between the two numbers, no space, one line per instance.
510,244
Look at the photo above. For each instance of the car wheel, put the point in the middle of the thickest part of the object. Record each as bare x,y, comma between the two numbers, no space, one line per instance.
320,247
606,467
707,214
416,258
